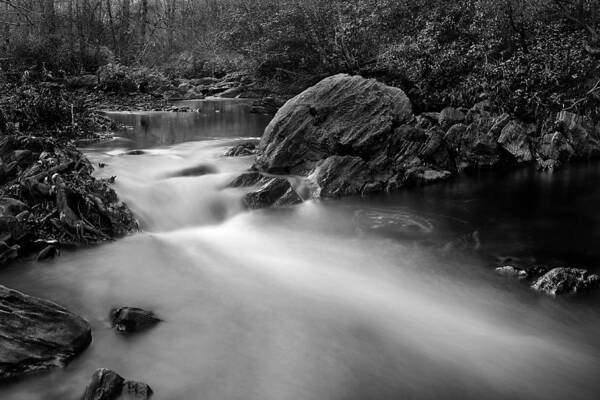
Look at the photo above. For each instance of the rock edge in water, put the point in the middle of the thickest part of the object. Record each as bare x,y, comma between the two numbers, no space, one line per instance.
556,281
37,335
132,319
559,281
108,385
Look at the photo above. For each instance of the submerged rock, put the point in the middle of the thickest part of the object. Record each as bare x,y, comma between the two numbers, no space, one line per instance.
275,192
37,335
131,319
566,281
108,385
197,170
509,270
135,153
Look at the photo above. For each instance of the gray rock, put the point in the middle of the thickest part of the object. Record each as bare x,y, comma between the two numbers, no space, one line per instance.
580,133
230,93
198,170
422,176
514,140
341,115
242,149
566,281
136,391
132,319
474,146
184,87
104,385
450,116
339,176
275,192
251,178
553,150
193,94
108,385
37,335
509,270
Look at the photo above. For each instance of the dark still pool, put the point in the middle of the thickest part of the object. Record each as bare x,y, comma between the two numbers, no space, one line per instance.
386,297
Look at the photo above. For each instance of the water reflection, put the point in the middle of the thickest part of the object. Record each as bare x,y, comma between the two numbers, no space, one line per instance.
208,119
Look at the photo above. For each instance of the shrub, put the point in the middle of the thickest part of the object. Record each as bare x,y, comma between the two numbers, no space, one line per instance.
120,78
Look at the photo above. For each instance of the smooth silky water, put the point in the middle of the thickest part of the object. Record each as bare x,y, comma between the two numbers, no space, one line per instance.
389,297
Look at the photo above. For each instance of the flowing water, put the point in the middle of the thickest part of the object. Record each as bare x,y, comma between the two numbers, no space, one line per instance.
391,297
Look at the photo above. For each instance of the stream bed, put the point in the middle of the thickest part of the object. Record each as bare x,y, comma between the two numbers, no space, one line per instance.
392,296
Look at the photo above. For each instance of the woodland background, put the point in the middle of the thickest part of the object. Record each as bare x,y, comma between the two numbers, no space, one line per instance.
530,57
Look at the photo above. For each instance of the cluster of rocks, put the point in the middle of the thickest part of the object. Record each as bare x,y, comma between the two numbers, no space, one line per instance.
556,281
160,98
108,385
49,199
352,136
37,335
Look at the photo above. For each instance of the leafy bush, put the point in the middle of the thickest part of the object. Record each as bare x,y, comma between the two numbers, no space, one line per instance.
47,111
52,53
120,78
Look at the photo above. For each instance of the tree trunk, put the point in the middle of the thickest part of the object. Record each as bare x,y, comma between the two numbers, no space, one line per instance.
144,23
49,17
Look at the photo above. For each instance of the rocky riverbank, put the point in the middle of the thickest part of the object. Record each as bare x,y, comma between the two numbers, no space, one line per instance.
353,136
124,90
49,200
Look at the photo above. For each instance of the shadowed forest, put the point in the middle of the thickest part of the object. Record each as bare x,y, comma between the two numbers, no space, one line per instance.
530,57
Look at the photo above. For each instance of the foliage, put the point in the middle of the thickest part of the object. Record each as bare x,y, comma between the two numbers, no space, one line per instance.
531,57
122,79
46,111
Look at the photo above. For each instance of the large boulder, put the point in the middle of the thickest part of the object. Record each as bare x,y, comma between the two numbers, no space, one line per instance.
566,281
341,115
37,335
